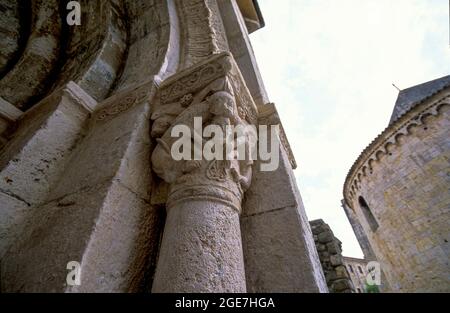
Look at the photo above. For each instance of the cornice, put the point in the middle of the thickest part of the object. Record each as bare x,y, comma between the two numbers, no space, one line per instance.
389,138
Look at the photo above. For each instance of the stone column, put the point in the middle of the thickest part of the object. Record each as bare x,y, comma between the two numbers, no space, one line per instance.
201,249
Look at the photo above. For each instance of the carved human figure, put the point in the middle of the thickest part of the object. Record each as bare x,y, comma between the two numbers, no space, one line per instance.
201,250
218,109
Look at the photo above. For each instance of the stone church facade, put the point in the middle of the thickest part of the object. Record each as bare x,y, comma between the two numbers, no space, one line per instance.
397,193
85,115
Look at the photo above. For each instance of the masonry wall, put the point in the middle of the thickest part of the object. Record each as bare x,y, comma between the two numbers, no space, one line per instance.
357,271
329,249
407,191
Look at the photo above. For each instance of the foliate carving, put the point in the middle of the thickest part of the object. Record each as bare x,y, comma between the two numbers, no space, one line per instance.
124,101
217,170
193,81
117,108
186,100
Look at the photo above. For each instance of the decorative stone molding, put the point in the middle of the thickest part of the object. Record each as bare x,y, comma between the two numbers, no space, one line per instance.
126,99
182,86
38,58
204,33
268,114
389,139
79,96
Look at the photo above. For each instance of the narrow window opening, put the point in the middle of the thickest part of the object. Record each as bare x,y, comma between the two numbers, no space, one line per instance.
368,214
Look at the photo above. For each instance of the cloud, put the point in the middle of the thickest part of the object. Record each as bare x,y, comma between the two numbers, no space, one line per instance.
329,66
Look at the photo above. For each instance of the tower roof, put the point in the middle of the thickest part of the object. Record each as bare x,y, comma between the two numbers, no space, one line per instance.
409,97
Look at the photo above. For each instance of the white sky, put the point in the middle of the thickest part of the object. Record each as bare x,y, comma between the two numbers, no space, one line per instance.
329,65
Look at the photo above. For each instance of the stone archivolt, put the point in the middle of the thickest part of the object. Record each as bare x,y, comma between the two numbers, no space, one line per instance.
81,143
203,31
388,139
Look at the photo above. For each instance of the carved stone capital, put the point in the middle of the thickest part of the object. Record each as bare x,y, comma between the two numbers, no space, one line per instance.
214,91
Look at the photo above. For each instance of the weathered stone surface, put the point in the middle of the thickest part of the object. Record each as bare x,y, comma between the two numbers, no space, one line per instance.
276,235
10,30
201,250
241,48
341,285
337,277
13,212
39,56
325,237
81,218
76,179
400,185
336,260
333,247
32,162
274,241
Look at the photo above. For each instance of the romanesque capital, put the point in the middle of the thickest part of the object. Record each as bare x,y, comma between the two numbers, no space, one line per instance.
212,93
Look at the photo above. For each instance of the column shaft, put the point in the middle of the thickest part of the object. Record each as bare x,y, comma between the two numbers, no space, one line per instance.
201,249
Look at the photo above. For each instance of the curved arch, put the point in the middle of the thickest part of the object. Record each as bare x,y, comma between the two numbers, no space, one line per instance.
442,107
364,170
14,31
399,138
411,127
154,42
379,155
367,212
96,49
371,164
40,56
425,117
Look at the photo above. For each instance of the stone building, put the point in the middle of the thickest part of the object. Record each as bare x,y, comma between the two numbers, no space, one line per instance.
88,190
397,193
356,268
329,249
